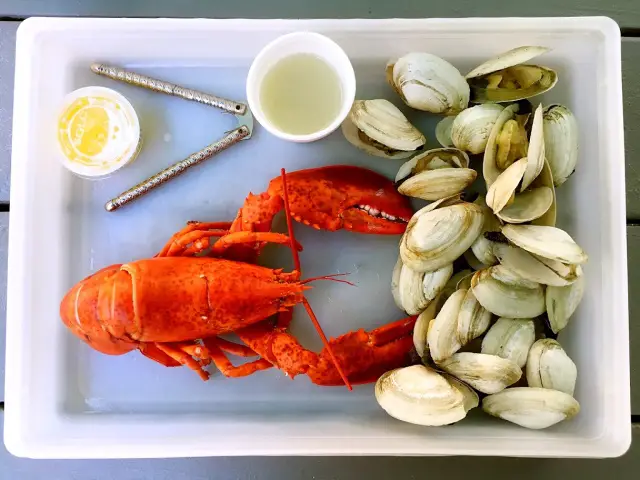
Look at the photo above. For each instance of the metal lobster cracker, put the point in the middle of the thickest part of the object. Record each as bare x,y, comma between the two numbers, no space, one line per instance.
240,110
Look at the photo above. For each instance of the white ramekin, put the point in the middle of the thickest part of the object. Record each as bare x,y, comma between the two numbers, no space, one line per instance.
294,43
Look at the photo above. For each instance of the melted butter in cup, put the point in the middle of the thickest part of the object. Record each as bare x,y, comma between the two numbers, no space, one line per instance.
98,132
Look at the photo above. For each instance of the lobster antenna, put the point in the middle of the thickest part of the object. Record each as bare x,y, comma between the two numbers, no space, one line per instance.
296,262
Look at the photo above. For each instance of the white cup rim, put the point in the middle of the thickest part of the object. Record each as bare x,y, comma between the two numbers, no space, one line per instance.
255,75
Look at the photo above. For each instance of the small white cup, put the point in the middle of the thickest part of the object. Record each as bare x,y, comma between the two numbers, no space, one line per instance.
294,43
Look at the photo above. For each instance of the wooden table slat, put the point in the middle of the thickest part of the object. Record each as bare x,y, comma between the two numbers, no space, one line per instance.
7,61
631,98
633,254
625,12
4,230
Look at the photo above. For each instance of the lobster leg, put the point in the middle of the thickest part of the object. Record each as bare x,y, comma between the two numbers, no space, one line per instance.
227,368
150,350
233,348
179,354
231,239
194,231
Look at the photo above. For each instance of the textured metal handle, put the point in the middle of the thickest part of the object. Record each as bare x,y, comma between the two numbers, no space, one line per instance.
178,168
169,88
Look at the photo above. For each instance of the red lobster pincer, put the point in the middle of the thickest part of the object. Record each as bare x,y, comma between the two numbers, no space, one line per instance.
172,307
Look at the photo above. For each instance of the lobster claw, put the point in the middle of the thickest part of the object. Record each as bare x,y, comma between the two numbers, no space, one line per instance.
343,196
365,356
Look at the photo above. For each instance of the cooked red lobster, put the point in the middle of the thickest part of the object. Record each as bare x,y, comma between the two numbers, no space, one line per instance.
172,307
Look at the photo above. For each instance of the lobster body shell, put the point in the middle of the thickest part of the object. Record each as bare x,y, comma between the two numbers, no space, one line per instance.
173,299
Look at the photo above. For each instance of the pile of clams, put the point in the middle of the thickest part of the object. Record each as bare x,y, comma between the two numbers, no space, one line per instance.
492,279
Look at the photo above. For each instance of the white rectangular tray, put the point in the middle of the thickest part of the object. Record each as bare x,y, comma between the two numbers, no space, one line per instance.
65,400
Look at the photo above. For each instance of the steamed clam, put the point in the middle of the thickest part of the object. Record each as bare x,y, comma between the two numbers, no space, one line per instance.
483,247
548,242
429,83
473,319
505,78
531,407
541,270
549,366
442,337
537,194
379,128
506,294
486,373
510,338
507,143
420,395
471,128
421,328
443,131
562,303
415,290
435,237
435,174
561,139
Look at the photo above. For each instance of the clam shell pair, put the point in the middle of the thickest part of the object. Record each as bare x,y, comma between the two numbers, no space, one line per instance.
435,174
439,233
429,83
414,291
423,396
506,77
379,128
524,191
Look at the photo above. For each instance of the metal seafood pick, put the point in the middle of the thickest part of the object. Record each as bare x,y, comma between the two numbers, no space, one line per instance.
240,110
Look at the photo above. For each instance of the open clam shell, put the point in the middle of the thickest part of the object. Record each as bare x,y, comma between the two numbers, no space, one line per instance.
420,395
502,191
510,338
548,242
537,195
471,128
506,294
506,78
435,174
437,237
545,179
531,407
431,160
429,83
486,373
490,169
536,150
507,59
379,128
530,267
528,206
549,366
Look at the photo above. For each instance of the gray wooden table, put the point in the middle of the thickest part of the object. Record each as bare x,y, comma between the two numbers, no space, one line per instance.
625,12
